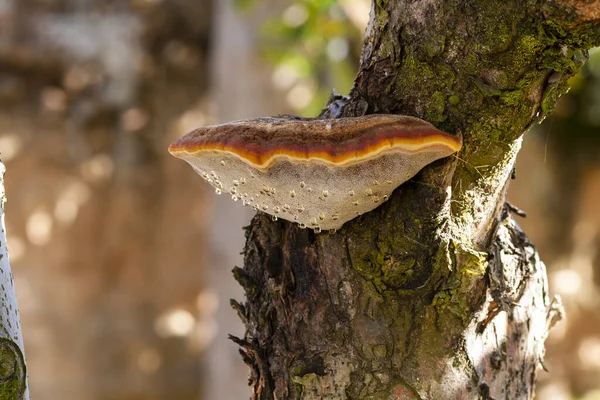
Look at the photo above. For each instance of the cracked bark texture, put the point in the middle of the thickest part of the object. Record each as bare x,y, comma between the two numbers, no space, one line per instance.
436,294
13,375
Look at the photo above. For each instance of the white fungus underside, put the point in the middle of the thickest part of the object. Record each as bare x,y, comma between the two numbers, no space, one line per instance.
313,194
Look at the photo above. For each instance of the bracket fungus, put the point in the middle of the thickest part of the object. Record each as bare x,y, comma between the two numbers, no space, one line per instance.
317,173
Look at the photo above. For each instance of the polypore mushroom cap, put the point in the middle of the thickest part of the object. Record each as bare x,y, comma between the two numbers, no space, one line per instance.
318,173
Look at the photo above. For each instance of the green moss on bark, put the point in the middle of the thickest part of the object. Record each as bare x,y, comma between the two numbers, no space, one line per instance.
12,371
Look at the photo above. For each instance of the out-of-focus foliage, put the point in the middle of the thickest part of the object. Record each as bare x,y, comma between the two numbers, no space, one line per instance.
315,47
573,136
577,117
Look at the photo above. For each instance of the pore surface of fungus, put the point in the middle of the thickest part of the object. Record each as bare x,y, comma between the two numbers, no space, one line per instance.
317,173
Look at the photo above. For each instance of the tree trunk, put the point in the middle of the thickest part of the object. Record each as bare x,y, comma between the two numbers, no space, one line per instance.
13,371
436,294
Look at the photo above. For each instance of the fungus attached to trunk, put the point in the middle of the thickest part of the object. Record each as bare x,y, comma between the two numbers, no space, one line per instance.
317,173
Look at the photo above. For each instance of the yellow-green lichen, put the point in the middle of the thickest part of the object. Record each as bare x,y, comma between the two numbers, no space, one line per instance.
469,267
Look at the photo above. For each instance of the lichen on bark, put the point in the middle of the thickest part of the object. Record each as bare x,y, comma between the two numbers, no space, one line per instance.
12,370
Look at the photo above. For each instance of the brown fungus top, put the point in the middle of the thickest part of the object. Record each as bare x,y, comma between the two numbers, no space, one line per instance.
318,173
340,141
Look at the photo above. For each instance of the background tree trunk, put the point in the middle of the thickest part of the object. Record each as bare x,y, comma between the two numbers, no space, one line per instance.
92,92
436,294
13,371
235,54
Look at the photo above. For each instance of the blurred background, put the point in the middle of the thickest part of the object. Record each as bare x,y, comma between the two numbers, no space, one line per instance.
122,256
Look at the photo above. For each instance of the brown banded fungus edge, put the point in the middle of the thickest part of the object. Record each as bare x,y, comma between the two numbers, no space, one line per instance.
317,173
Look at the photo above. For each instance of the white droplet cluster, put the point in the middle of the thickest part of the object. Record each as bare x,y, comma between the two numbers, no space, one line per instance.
313,194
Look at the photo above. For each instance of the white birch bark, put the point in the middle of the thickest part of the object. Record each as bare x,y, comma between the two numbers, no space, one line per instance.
13,376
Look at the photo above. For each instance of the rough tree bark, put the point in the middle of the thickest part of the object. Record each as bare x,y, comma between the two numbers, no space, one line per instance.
13,374
436,294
